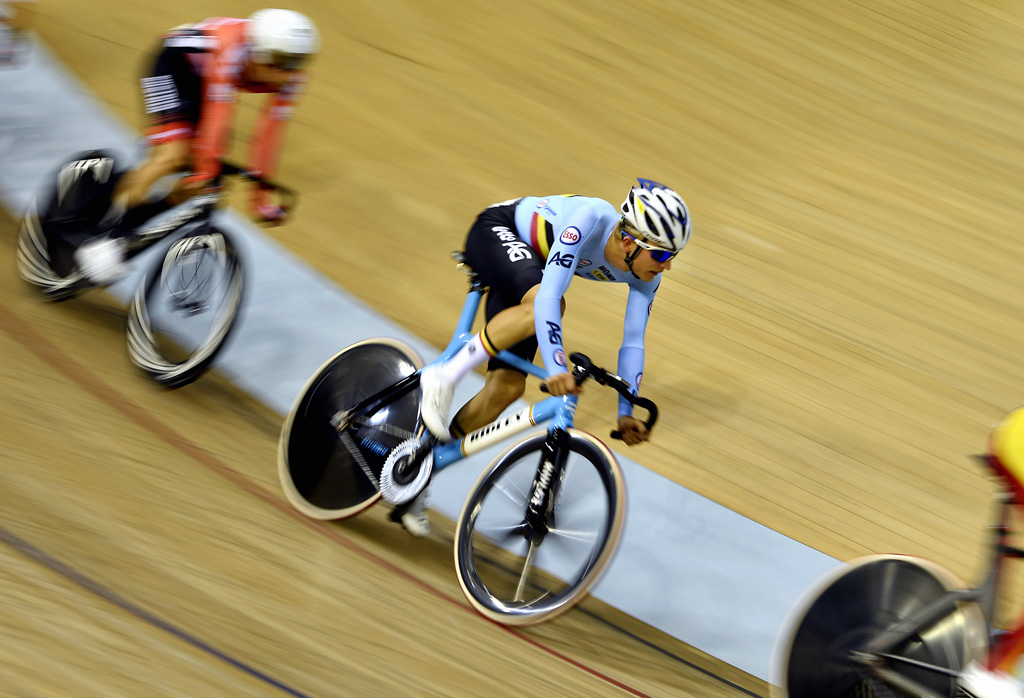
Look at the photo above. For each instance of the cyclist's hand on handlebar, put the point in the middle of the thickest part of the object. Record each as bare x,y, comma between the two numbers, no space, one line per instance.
559,384
633,430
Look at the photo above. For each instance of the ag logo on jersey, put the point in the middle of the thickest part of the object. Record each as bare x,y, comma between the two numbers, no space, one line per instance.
559,357
562,260
554,332
570,236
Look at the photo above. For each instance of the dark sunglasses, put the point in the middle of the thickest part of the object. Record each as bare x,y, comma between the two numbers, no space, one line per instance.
287,61
657,254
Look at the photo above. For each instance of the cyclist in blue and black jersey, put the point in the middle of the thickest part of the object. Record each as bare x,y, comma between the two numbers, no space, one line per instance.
526,251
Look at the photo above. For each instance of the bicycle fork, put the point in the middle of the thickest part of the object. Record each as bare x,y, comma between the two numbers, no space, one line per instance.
540,506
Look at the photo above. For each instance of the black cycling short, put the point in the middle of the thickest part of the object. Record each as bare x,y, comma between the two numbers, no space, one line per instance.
508,267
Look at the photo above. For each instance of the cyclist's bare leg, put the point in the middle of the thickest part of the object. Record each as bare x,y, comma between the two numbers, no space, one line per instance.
502,387
513,325
506,329
101,259
163,159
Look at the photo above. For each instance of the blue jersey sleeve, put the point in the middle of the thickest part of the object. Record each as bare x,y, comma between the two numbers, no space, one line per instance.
561,264
631,353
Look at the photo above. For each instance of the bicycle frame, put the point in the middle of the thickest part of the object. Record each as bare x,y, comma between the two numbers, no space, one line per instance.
197,210
1005,648
559,410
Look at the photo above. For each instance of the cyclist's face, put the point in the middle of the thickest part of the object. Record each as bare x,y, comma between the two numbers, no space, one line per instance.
646,267
657,266
268,74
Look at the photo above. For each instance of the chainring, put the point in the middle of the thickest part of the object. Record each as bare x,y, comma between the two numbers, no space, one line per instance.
401,488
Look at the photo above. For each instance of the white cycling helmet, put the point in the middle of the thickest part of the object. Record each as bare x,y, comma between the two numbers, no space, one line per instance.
283,38
656,216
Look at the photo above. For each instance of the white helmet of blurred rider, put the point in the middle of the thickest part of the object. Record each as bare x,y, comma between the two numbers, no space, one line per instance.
656,216
282,38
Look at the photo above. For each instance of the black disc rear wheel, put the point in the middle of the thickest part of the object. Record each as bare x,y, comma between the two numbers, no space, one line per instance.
332,473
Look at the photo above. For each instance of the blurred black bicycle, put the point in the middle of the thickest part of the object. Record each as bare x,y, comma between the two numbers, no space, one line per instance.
188,301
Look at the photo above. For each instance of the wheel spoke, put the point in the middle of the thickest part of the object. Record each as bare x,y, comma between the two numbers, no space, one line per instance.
525,572
502,535
573,535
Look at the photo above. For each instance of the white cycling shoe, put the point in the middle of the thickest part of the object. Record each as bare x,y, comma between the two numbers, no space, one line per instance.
415,520
102,260
989,684
436,401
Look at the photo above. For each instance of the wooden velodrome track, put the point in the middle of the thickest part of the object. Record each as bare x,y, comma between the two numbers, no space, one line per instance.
827,354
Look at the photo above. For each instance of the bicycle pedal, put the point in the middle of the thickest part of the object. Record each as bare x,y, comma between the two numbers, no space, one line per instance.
413,516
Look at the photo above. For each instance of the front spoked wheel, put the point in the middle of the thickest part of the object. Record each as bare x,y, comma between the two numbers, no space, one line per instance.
819,650
330,460
517,571
186,308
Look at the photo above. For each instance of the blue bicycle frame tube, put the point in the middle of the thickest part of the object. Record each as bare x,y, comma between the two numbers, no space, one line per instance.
463,330
561,410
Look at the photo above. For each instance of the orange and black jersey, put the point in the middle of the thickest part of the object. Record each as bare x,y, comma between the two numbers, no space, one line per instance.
192,91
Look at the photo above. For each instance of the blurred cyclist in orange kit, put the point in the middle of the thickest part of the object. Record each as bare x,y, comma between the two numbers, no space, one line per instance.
190,96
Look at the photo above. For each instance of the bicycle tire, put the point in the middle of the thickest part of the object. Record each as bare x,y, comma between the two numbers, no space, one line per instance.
186,307
35,265
498,575
319,468
849,606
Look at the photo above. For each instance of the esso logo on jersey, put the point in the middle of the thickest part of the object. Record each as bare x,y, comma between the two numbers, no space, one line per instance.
570,236
559,357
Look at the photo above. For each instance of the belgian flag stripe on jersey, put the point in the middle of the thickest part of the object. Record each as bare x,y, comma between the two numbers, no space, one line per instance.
541,235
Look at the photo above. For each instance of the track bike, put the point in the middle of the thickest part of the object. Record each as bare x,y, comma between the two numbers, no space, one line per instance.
894,626
189,298
542,521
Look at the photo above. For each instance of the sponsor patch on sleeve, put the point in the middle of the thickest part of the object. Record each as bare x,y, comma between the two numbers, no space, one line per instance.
571,235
